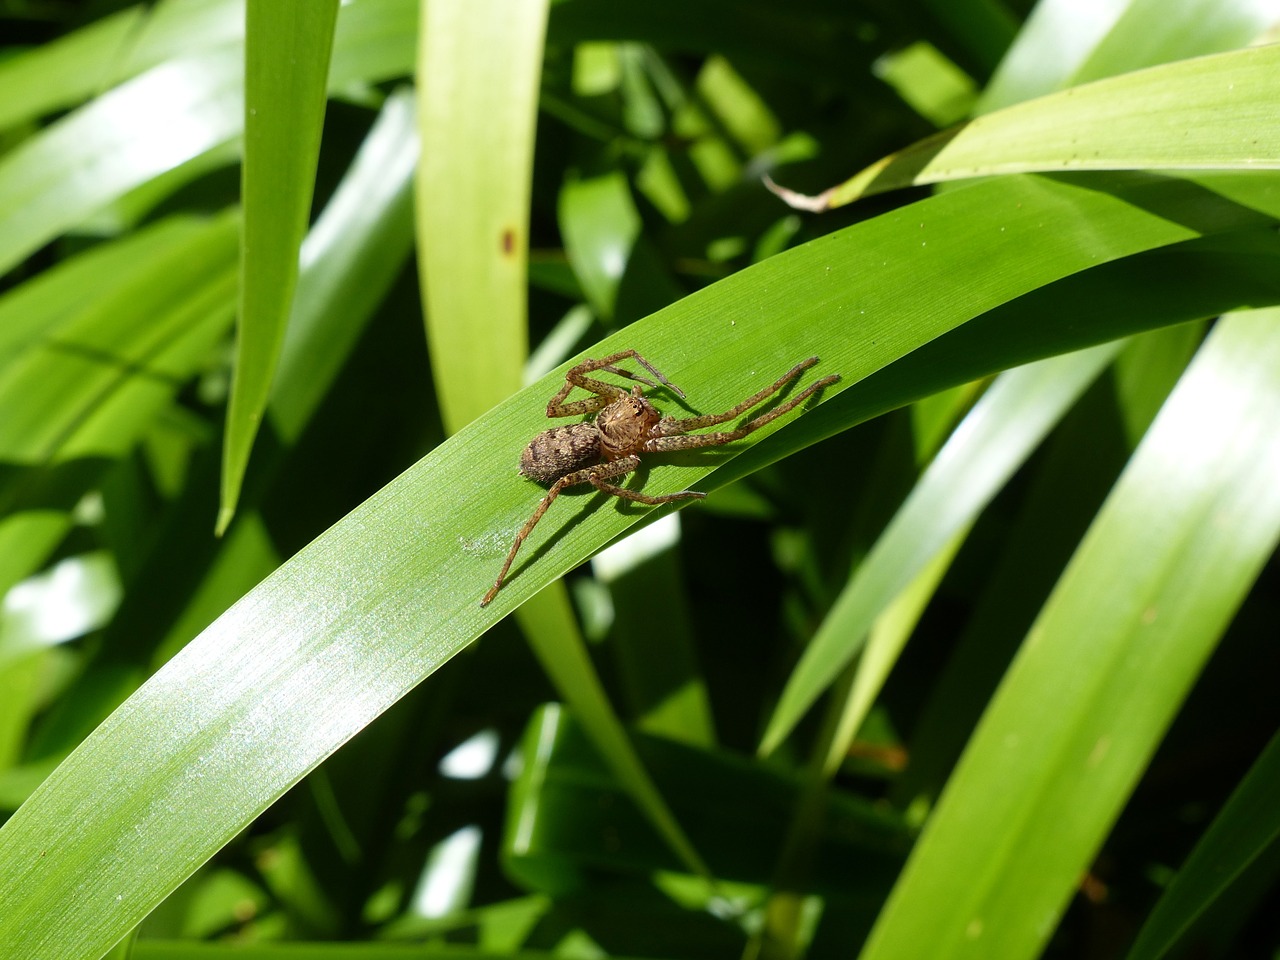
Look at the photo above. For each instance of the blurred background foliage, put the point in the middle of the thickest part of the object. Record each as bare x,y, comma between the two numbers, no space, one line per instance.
630,765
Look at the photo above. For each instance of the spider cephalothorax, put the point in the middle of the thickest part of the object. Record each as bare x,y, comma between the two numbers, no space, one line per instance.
618,431
626,426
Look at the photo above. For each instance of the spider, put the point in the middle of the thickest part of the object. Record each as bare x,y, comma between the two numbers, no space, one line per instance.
627,425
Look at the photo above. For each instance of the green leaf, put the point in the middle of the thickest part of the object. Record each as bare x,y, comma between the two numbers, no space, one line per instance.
1187,115
56,392
479,69
600,225
1149,33
1147,369
87,378
655,645
569,814
1057,48
374,42
1062,45
190,102
776,37
984,28
62,72
288,43
1246,828
38,308
348,262
391,592
1128,628
557,642
357,247
122,139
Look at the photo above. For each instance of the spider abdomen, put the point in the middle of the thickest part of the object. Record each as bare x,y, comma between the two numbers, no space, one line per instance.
559,451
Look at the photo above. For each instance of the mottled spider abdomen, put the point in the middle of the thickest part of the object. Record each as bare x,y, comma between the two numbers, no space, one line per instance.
555,453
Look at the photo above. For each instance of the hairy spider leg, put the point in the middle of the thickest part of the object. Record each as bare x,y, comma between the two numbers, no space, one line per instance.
670,425
607,363
629,374
674,438
645,498
596,476
605,393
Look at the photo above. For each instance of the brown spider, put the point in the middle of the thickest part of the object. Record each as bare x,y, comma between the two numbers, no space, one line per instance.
627,425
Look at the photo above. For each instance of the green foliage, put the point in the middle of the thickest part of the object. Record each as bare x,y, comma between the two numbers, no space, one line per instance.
930,673
286,64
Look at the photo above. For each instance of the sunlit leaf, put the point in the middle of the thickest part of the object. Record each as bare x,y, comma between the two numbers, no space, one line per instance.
1188,115
1063,43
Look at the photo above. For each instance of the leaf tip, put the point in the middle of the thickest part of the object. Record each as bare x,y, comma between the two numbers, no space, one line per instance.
225,514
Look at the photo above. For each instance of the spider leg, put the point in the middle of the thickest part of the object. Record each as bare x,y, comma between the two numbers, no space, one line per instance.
626,494
556,407
594,475
671,426
605,393
629,374
671,443
607,363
